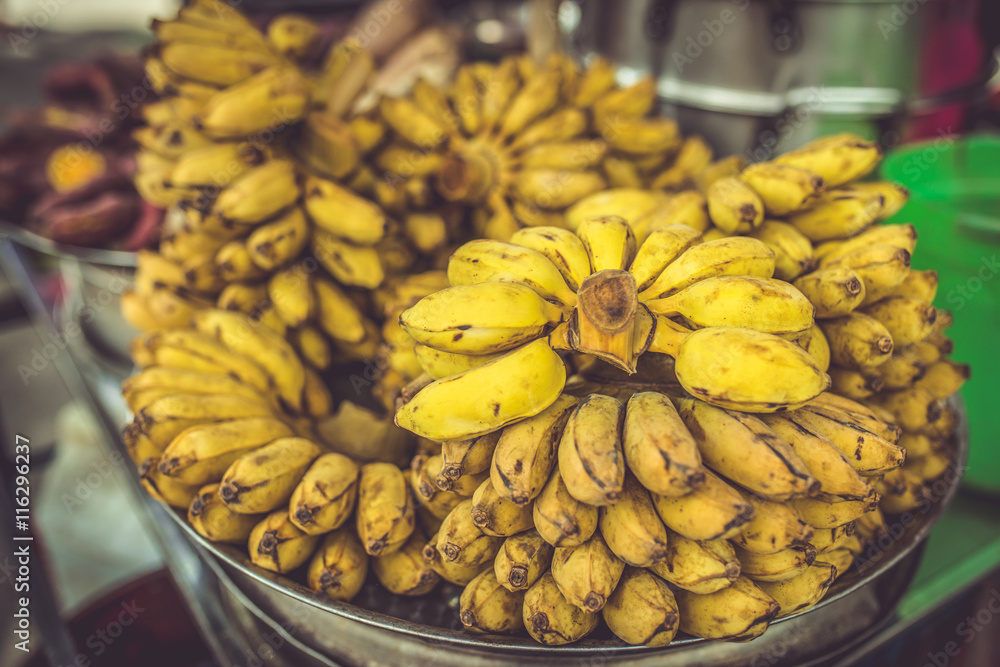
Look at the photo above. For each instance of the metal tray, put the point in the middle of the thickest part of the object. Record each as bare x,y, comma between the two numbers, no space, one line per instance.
380,628
98,256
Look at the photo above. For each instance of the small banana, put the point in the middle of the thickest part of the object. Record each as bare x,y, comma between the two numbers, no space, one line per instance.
487,606
631,527
292,297
167,490
762,304
213,520
551,189
561,247
944,377
202,453
339,568
829,539
899,236
325,497
349,264
660,248
264,346
496,515
867,452
207,349
913,408
793,251
263,480
658,448
404,572
166,417
591,462
215,64
454,572
255,104
484,318
743,448
882,268
775,527
495,261
279,242
336,313
864,415
277,545
902,491
733,205
740,256
920,285
468,457
343,214
838,158
701,567
815,343
908,320
834,291
839,214
738,612
610,242
693,156
550,619
214,165
234,264
777,566
561,519
522,559
462,542
783,188
587,574
642,610
385,512
171,380
685,209
827,464
803,590
854,384
896,196
821,514
857,341
713,511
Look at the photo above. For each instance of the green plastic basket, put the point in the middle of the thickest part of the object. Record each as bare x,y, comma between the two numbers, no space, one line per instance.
955,205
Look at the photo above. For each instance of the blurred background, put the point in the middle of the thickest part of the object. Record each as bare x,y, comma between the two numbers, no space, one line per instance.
753,77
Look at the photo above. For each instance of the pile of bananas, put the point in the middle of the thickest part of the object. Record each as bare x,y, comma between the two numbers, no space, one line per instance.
681,404
519,142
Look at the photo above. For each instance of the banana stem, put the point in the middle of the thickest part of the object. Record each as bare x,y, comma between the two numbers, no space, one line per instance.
604,321
466,176
668,336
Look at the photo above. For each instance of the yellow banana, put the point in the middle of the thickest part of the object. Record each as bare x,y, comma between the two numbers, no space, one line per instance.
277,545
454,572
762,304
658,448
522,559
793,251
701,567
661,247
867,452
404,572
171,380
487,606
714,511
744,449
642,610
857,341
263,480
259,194
821,514
738,612
642,136
739,256
590,457
487,397
200,346
212,519
279,242
864,415
462,542
838,158
631,204
774,527
326,494
631,527
234,264
385,512
336,313
815,343
783,188
733,205
552,189
609,241
856,384
825,463
353,265
339,568
498,516
920,285
550,619
895,195
342,213
214,166
829,539
834,291
167,490
561,519
329,146
692,157
944,377
803,590
215,64
913,408
903,237
587,574
882,269
166,417
486,260
908,320
468,457
483,318
561,247
778,566
293,35
276,97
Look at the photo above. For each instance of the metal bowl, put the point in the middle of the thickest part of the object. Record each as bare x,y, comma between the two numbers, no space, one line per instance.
381,628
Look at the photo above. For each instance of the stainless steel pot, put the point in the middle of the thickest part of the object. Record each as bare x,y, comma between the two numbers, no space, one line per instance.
761,77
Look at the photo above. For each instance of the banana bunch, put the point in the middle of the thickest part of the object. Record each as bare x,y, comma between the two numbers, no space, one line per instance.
490,343
518,142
